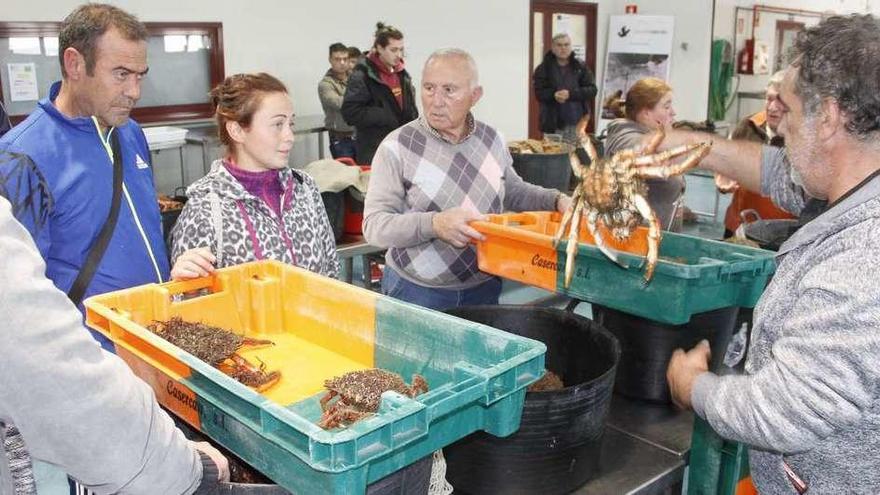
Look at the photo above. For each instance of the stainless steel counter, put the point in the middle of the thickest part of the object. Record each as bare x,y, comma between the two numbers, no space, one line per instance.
630,466
644,451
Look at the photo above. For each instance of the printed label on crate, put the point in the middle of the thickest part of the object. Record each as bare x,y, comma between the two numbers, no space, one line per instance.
544,263
169,392
554,266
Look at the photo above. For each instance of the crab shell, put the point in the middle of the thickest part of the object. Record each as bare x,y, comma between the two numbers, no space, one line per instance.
363,388
209,343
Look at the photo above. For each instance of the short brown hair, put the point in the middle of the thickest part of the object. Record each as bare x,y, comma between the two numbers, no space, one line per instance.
644,94
82,28
385,33
337,48
238,97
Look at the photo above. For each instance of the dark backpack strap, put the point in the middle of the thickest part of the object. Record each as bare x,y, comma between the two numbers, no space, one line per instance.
84,278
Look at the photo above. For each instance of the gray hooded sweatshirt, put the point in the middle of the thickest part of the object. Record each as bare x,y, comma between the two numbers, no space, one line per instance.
811,393
76,405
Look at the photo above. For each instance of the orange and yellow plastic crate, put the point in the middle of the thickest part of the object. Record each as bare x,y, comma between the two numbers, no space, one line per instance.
321,328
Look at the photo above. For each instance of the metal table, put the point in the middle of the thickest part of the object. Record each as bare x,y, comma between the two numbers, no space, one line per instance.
308,124
155,152
629,466
206,137
708,174
348,249
644,450
659,425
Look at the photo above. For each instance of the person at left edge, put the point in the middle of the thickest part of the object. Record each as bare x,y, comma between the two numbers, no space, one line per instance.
62,194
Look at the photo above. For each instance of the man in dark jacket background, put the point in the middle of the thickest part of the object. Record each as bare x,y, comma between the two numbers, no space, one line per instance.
380,95
564,87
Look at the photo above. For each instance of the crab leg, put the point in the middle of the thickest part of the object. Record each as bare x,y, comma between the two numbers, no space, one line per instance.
578,168
566,217
418,386
256,343
571,248
654,234
592,218
656,138
240,363
664,156
585,141
696,153
326,398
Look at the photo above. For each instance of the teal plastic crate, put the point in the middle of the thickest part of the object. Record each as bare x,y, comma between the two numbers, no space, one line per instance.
694,275
477,374
716,466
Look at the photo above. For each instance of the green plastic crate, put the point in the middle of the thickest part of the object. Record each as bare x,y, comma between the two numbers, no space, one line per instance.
716,466
693,275
478,375
716,275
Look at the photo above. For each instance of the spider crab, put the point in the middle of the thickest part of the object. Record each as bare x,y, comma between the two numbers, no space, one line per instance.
612,191
360,392
218,347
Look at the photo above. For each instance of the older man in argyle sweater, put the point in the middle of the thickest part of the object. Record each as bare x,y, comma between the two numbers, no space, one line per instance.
433,176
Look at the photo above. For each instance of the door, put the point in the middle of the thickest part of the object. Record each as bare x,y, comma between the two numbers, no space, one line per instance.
547,18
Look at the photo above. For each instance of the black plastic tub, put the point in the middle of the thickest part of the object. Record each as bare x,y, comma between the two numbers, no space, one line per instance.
334,205
770,234
556,449
647,347
552,170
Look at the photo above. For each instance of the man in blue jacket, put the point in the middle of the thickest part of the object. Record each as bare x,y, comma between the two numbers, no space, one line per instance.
56,167
62,185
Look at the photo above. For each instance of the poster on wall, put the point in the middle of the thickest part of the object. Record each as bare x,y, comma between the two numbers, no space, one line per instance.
638,46
23,82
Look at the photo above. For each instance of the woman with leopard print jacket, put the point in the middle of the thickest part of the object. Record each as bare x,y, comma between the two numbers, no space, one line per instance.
251,206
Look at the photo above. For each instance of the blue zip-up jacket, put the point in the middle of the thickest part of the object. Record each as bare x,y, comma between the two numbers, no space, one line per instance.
62,195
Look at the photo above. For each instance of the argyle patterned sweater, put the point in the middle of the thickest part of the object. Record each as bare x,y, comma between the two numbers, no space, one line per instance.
417,173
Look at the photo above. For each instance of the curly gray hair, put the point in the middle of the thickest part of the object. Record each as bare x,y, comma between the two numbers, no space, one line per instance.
840,59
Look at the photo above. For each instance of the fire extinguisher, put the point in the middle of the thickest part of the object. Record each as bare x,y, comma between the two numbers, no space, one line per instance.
746,58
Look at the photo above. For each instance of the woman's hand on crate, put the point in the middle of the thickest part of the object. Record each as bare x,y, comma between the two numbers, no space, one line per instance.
452,226
683,370
195,263
219,459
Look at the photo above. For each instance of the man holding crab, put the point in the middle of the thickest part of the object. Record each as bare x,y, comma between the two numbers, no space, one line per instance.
808,402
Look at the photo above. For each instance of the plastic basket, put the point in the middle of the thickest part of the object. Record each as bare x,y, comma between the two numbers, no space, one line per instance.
717,466
322,328
694,275
164,137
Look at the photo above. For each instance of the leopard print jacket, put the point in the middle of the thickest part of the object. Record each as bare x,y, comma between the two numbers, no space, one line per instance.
238,227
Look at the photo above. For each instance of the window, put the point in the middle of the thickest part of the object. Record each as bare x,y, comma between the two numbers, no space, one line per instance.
180,51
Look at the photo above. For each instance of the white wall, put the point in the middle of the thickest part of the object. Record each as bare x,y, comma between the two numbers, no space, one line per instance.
725,12
691,48
290,39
